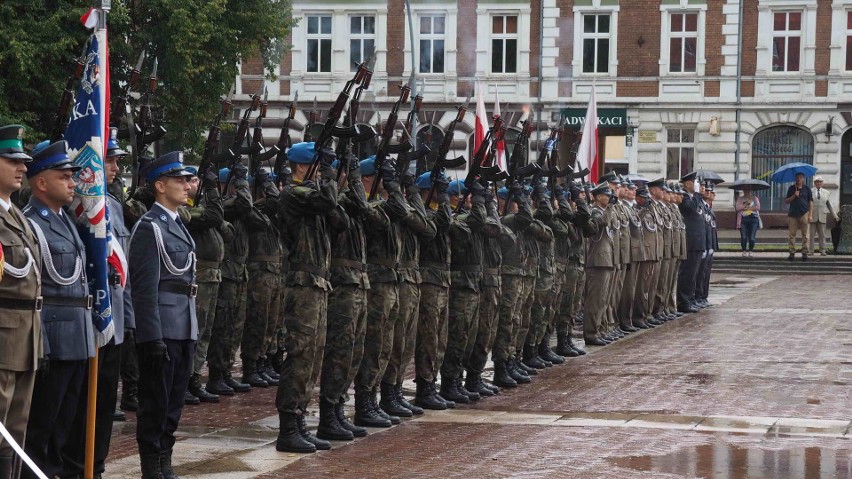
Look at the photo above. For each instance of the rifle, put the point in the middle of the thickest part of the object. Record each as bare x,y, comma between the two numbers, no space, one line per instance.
213,141
284,140
518,167
237,149
67,98
145,138
419,156
121,102
344,146
313,118
385,146
257,155
441,160
478,170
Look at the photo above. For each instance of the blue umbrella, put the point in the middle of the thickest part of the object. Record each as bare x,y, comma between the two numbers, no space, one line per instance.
788,172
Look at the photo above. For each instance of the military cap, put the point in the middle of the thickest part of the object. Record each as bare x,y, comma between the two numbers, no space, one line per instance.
40,146
12,143
113,149
368,166
602,189
503,193
51,157
629,184
643,193
192,169
457,188
659,183
667,188
424,181
710,187
301,153
689,176
170,164
609,178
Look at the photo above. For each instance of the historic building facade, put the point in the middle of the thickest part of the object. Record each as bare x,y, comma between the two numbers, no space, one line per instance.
738,88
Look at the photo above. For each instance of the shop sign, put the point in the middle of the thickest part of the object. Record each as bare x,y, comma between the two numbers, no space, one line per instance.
647,136
575,118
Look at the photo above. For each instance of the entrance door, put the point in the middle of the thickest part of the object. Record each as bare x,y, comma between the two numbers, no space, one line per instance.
772,148
846,169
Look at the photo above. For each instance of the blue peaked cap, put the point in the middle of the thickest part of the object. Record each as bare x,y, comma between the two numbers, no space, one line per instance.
51,156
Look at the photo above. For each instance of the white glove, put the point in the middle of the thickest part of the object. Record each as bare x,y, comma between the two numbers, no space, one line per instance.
703,255
710,252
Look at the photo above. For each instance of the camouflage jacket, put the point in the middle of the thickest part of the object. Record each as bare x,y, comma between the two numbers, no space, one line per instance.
415,228
237,209
383,243
435,254
204,225
514,253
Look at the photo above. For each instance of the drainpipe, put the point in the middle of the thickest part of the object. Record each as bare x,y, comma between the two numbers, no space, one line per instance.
739,89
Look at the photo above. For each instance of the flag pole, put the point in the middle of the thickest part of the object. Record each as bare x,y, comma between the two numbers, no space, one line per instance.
102,7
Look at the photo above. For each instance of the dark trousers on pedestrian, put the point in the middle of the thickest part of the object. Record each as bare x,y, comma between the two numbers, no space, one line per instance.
55,398
161,391
686,278
73,454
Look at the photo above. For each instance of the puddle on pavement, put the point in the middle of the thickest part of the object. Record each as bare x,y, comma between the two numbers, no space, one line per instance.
722,460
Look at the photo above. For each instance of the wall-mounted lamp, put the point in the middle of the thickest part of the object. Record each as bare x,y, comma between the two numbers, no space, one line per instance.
829,128
640,41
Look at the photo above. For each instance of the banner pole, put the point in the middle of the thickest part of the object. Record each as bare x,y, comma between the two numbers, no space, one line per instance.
91,410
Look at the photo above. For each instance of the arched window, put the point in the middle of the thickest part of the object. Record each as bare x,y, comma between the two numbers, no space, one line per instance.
772,148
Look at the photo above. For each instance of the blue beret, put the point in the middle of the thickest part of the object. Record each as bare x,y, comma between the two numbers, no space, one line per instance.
301,153
503,193
51,157
335,164
457,188
223,175
424,181
368,166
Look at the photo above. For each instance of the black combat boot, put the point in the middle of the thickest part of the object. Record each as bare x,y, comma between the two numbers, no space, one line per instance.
502,377
427,399
365,415
434,388
318,443
473,383
218,387
389,402
340,412
289,438
198,390
417,411
531,359
382,413
547,354
190,400
251,376
564,347
573,346
474,396
129,397
523,368
267,370
150,464
166,465
329,426
236,385
450,391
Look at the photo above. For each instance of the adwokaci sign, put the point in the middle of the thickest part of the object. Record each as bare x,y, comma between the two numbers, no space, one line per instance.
607,117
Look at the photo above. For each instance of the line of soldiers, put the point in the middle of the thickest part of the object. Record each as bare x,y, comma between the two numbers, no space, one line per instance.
353,290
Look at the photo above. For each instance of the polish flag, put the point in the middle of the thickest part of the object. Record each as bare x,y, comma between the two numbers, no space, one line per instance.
90,18
587,153
481,119
501,145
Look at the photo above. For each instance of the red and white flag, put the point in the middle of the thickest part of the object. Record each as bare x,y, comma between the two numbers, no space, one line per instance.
501,145
90,18
587,153
481,119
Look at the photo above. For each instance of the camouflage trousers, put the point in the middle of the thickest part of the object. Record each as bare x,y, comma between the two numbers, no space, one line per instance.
205,311
489,307
305,318
262,308
462,327
359,331
347,310
403,334
596,300
567,304
508,317
273,337
382,306
227,328
525,304
431,341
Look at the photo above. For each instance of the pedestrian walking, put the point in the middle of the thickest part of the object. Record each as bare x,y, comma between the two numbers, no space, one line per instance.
748,220
821,209
801,201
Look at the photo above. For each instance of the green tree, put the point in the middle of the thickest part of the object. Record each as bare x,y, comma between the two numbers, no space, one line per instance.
198,43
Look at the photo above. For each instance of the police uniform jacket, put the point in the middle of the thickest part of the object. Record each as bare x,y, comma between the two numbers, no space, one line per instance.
68,334
162,262
121,301
20,329
693,218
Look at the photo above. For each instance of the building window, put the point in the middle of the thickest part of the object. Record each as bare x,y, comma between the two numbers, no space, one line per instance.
432,33
683,42
319,43
849,40
362,39
786,41
596,31
680,149
504,44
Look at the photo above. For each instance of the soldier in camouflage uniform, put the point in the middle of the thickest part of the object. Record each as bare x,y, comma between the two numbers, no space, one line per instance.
304,210
204,225
414,229
513,270
431,341
567,306
231,303
383,297
544,285
264,269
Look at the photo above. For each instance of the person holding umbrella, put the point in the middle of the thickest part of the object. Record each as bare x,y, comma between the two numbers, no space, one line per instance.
801,202
748,219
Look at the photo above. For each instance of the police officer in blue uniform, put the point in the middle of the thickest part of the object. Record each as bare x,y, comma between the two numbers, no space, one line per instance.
693,217
162,268
109,356
67,308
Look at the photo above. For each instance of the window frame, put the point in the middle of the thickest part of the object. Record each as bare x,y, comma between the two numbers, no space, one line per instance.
431,37
319,36
847,38
787,34
361,36
807,61
595,9
666,12
680,145
596,37
504,37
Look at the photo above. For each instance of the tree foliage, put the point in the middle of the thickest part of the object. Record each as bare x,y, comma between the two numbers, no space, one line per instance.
199,44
